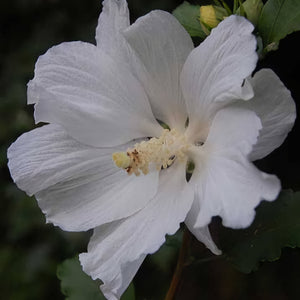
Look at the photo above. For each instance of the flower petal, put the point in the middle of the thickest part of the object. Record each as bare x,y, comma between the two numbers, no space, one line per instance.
115,246
113,19
275,107
97,101
77,186
202,234
226,183
117,278
162,45
214,72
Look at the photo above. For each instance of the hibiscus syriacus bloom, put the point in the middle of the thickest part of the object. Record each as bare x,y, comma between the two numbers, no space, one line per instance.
105,162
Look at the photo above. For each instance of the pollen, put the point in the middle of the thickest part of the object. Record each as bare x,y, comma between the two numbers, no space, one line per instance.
121,159
158,152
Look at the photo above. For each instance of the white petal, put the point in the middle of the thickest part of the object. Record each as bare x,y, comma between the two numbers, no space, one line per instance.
117,278
113,19
275,107
77,186
234,130
95,99
162,45
226,183
202,234
214,72
113,247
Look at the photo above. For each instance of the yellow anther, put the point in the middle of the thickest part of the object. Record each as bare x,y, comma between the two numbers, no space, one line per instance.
121,159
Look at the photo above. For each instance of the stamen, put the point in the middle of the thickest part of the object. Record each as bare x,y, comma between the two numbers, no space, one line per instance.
161,151
121,159
199,143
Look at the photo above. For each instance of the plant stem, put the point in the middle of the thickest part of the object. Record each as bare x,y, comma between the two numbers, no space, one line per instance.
207,259
180,265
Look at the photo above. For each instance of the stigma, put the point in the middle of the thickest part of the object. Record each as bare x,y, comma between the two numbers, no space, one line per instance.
159,152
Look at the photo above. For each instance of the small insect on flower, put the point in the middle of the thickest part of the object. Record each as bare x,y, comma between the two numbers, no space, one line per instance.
105,162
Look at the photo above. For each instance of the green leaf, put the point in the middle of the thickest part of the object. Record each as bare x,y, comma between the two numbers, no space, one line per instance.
278,19
251,9
188,15
277,225
77,285
129,293
167,253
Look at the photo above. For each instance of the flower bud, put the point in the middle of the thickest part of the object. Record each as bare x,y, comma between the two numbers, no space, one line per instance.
211,16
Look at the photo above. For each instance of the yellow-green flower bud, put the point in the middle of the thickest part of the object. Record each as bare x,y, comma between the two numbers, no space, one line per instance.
211,16
208,16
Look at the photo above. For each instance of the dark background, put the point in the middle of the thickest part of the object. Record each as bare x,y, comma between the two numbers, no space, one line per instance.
30,250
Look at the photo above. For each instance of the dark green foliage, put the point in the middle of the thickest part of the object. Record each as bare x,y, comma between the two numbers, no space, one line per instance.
188,15
276,225
76,285
278,19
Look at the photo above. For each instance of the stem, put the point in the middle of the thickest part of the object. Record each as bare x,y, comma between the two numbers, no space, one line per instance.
180,265
235,6
227,8
208,259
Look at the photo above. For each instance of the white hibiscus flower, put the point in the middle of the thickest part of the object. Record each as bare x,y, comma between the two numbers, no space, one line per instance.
105,100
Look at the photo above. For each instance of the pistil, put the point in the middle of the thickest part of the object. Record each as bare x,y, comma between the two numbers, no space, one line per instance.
161,152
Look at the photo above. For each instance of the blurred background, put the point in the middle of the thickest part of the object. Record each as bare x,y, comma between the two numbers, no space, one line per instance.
30,250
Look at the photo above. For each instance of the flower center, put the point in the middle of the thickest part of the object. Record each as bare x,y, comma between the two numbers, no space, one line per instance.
160,151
